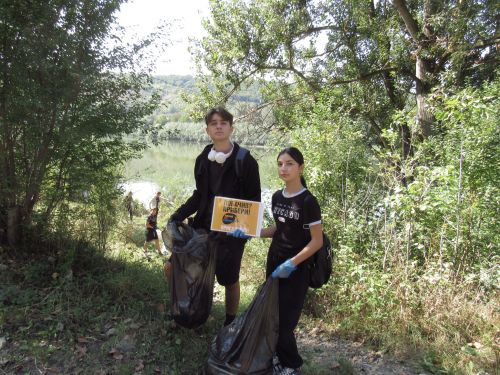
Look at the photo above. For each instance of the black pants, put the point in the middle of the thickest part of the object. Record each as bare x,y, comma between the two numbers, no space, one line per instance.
292,294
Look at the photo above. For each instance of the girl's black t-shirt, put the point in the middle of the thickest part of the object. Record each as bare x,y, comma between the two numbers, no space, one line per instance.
293,215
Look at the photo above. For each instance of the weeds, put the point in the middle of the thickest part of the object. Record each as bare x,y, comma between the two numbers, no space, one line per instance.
90,312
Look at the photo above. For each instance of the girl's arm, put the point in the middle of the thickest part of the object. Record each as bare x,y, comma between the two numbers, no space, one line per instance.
313,245
267,232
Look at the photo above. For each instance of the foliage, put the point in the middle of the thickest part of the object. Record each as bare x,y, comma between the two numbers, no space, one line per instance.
68,94
421,253
380,57
395,109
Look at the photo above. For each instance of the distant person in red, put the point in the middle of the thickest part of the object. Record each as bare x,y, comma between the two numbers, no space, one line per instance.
151,233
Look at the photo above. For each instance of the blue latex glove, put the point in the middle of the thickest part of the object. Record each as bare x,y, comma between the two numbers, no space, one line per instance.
238,233
284,269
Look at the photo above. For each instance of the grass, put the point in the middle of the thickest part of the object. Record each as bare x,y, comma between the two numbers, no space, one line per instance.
451,326
75,310
81,311
71,319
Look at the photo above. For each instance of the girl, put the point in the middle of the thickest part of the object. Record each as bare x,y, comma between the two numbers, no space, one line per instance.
296,236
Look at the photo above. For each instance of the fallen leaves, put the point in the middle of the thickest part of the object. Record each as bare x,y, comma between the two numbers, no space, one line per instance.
335,365
140,366
83,340
115,353
80,351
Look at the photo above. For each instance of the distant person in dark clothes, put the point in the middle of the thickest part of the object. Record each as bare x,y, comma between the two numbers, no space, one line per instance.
215,175
151,233
128,202
296,236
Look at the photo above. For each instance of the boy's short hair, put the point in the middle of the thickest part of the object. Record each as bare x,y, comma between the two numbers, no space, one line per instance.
222,112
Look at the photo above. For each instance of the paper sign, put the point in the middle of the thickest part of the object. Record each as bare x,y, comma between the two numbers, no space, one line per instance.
230,214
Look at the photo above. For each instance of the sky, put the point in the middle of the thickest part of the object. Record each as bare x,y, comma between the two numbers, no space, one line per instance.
140,17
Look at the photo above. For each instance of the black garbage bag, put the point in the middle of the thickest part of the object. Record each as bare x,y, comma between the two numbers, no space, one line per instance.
193,273
246,346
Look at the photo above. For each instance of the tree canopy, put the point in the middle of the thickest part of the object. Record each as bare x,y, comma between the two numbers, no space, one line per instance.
379,57
69,91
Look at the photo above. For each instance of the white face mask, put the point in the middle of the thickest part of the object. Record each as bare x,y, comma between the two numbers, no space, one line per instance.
219,157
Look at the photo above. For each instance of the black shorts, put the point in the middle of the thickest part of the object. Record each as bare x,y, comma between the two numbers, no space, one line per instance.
151,234
229,254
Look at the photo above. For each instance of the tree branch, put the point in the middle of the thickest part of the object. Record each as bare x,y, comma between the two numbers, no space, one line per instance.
411,24
362,77
314,30
267,104
289,68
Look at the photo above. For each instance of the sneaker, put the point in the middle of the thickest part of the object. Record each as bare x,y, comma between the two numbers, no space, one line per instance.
289,371
277,368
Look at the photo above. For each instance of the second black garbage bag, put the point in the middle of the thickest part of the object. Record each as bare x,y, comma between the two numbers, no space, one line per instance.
247,345
193,273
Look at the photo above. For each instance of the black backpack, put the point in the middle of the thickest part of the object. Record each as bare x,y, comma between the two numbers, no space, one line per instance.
321,266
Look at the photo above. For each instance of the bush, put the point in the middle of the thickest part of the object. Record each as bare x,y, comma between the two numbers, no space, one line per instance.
416,256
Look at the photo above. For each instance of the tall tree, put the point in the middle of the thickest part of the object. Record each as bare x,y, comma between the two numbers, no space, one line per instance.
64,104
384,56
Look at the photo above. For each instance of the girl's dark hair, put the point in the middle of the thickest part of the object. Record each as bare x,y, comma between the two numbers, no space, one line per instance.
296,155
222,112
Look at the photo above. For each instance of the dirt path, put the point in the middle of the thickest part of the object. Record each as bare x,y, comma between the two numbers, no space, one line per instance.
329,356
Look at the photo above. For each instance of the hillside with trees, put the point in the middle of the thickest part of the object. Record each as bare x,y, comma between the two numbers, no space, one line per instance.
172,119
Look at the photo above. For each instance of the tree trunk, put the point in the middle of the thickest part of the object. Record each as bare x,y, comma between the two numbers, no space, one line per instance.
421,37
425,118
13,225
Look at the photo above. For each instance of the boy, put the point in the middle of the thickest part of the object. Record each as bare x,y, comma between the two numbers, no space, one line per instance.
215,174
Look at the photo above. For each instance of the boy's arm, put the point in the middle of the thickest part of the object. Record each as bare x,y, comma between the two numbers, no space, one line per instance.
188,208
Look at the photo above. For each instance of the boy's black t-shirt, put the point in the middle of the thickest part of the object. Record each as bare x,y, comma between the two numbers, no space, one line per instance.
293,215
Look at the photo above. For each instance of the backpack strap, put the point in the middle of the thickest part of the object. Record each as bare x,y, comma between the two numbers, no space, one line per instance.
240,156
